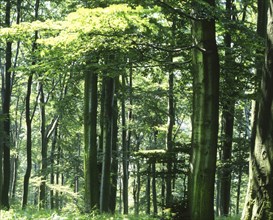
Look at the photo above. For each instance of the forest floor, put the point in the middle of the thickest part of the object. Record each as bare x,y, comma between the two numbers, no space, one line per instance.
34,214
16,213
228,218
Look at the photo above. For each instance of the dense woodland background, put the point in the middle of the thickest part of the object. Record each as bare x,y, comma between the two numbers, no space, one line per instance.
137,107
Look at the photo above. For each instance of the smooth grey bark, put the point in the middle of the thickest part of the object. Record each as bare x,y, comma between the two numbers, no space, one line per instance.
259,200
262,32
205,64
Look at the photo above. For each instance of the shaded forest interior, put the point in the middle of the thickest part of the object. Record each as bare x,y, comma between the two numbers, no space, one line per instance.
155,108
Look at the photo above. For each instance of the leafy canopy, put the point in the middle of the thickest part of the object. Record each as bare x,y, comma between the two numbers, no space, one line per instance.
114,27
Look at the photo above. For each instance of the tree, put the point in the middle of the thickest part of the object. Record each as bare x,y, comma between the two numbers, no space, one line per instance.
107,143
205,65
228,117
29,118
6,99
90,135
259,200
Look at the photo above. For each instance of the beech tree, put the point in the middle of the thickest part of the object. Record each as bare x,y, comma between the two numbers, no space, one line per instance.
259,201
90,133
6,100
205,113
29,118
115,90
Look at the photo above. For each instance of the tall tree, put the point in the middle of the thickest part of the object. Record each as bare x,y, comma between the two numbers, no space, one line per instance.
6,99
259,200
205,63
228,116
169,141
90,136
1,153
29,118
42,102
107,143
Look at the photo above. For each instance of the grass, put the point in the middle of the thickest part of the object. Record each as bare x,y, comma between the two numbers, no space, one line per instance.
71,212
33,214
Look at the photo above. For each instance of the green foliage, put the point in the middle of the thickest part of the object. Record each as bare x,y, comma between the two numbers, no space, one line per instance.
68,214
91,29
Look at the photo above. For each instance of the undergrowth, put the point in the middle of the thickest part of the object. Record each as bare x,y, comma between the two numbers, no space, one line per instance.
228,218
33,214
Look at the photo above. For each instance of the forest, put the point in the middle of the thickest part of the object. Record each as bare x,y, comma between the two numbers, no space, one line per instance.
128,109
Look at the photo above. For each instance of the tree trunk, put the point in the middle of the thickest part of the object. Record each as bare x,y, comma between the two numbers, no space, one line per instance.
42,196
259,201
228,120
148,190
90,134
29,120
1,153
124,150
205,117
163,190
57,204
169,141
6,112
107,144
154,188
52,175
114,167
238,196
137,183
261,31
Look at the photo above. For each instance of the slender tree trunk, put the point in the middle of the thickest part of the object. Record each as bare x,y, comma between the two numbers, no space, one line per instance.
90,133
1,153
17,140
78,170
238,196
205,117
137,183
107,144
29,121
217,196
57,205
169,141
154,188
15,176
42,196
228,121
163,198
100,149
6,112
115,150
148,190
52,175
124,151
